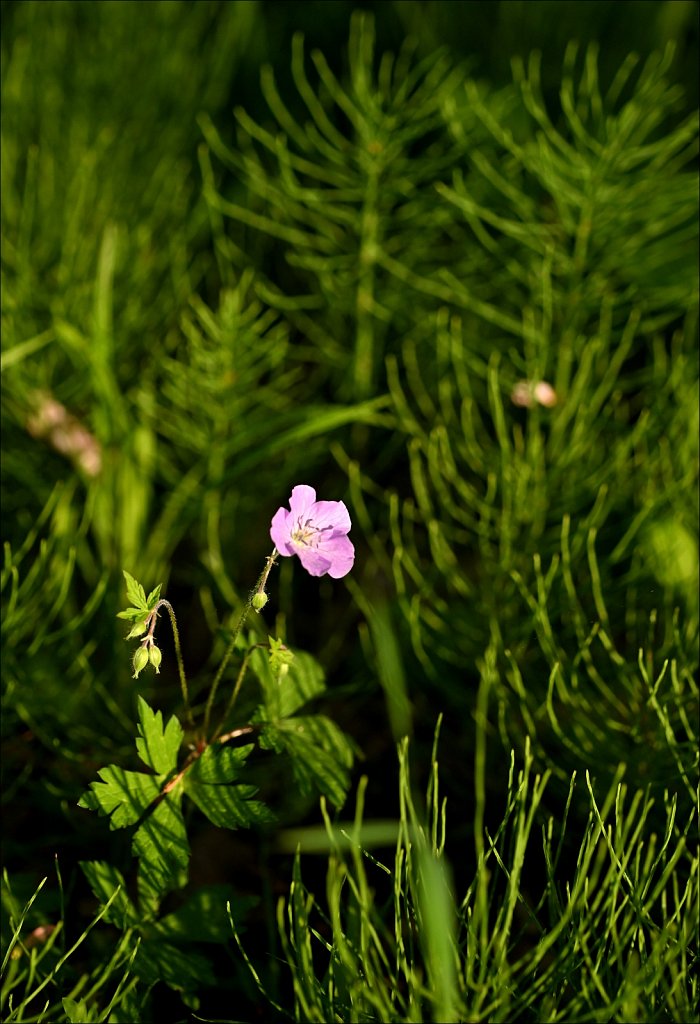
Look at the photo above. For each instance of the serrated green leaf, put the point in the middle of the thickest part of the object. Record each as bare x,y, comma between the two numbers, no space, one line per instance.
161,845
89,801
104,880
154,596
268,739
219,764
208,785
230,806
135,592
131,613
291,687
320,753
121,794
279,655
159,961
158,747
204,918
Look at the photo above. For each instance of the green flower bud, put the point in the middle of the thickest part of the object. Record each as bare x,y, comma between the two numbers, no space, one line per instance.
259,600
140,661
155,657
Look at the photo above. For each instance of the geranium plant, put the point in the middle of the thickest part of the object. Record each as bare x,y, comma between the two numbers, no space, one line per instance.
212,772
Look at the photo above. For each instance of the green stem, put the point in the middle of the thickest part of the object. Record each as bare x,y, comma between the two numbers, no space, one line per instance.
178,654
234,695
258,589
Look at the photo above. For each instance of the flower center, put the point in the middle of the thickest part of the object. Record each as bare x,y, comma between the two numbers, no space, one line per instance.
305,533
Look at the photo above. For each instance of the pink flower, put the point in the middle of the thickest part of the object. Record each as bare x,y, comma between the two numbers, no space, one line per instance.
316,531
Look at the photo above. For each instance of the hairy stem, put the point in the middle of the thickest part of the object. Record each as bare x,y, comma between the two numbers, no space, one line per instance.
178,654
258,588
234,695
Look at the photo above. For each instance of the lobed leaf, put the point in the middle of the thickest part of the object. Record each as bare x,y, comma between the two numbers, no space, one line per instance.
204,917
161,845
226,805
218,765
160,961
122,795
135,592
158,747
230,806
291,686
320,752
104,879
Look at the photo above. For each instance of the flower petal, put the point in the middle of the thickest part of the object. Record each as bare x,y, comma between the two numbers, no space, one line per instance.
280,531
341,552
315,563
331,513
301,500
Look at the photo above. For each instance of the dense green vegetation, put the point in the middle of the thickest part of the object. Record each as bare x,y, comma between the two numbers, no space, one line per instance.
438,261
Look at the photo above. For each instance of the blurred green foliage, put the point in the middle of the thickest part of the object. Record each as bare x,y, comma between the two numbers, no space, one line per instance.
350,268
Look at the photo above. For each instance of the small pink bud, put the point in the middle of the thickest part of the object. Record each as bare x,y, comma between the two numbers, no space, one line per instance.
545,394
52,422
525,394
39,935
521,394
